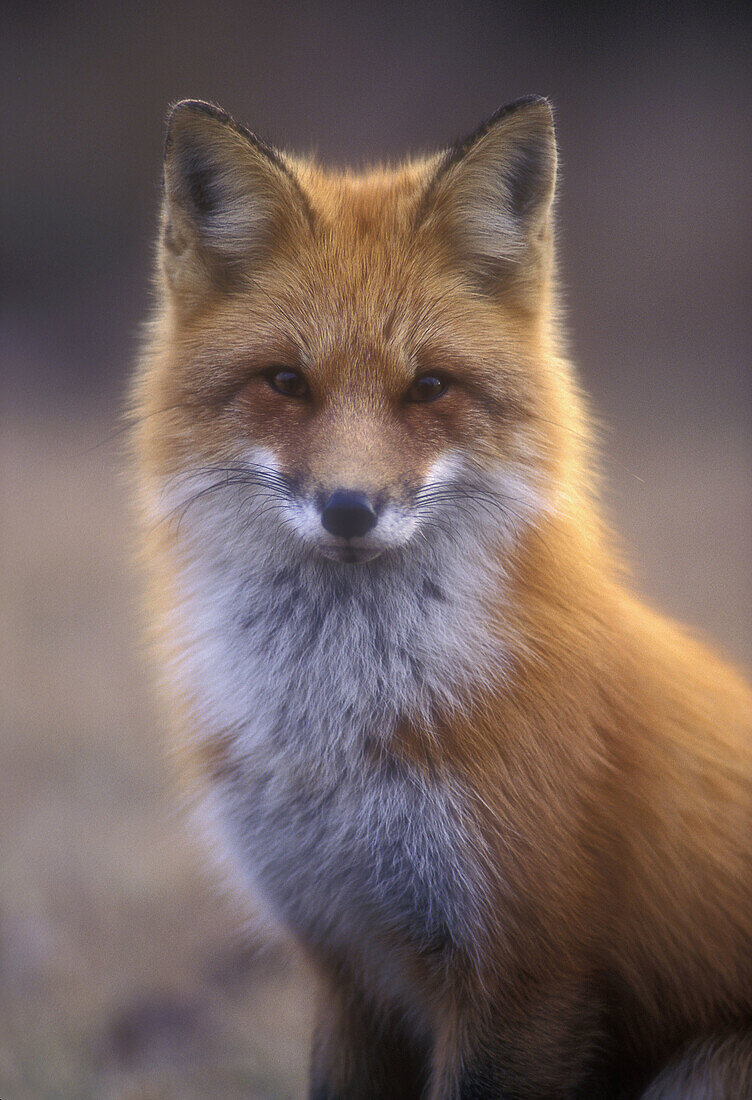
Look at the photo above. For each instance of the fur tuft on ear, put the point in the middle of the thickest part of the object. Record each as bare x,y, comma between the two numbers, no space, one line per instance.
492,193
228,199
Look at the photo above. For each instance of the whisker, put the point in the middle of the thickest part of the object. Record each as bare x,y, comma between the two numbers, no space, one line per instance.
268,484
469,499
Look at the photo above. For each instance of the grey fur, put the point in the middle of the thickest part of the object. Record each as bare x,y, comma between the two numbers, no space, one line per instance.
309,665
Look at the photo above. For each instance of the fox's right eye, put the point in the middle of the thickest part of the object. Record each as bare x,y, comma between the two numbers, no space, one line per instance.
288,382
427,388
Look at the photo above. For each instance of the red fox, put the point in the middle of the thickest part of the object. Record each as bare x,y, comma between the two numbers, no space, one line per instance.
503,806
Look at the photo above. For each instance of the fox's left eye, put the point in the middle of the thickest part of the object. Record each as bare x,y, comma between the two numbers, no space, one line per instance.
286,381
427,388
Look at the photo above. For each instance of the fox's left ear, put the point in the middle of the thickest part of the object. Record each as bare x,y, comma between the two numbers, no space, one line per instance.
491,195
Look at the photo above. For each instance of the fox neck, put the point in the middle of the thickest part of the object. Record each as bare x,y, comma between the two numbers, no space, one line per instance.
310,655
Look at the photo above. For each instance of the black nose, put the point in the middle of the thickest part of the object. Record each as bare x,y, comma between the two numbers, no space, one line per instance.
348,514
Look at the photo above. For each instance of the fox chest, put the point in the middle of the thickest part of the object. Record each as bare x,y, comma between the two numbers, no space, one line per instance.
340,841
342,856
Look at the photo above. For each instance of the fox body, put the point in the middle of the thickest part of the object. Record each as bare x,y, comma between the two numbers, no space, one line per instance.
503,806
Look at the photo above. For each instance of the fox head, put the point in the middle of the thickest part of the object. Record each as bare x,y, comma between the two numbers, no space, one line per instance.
361,361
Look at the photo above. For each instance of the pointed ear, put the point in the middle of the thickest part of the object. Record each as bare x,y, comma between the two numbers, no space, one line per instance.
228,200
491,195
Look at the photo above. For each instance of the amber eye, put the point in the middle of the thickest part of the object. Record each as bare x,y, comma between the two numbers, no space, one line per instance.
427,388
289,382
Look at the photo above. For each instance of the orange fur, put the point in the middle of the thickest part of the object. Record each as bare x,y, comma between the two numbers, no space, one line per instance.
608,772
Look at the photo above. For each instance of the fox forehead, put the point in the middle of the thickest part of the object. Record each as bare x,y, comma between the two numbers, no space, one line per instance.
361,316
368,202
362,295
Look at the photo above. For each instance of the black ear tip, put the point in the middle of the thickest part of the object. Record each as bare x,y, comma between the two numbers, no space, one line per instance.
186,111
533,105
532,101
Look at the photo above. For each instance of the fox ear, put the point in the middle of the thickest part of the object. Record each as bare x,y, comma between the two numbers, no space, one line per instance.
491,195
228,200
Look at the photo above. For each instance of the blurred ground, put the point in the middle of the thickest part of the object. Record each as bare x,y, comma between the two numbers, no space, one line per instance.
124,971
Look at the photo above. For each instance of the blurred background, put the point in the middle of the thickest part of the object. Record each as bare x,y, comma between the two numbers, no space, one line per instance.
124,972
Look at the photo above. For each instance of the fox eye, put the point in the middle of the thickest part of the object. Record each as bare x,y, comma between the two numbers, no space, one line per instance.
288,382
427,388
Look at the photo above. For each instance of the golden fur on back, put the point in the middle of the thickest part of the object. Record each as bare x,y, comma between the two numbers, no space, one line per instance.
503,805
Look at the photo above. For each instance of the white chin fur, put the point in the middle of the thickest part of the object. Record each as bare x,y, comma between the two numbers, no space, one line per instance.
348,555
305,662
260,582
394,529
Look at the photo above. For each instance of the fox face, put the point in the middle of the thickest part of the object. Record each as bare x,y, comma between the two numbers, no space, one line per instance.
361,360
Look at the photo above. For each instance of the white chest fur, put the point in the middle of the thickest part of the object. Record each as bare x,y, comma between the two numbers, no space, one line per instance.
305,667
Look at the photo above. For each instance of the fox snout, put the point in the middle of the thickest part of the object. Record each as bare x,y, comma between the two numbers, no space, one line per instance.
350,524
348,514
354,525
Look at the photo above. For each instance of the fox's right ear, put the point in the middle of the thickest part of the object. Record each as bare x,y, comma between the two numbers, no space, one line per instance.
228,201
